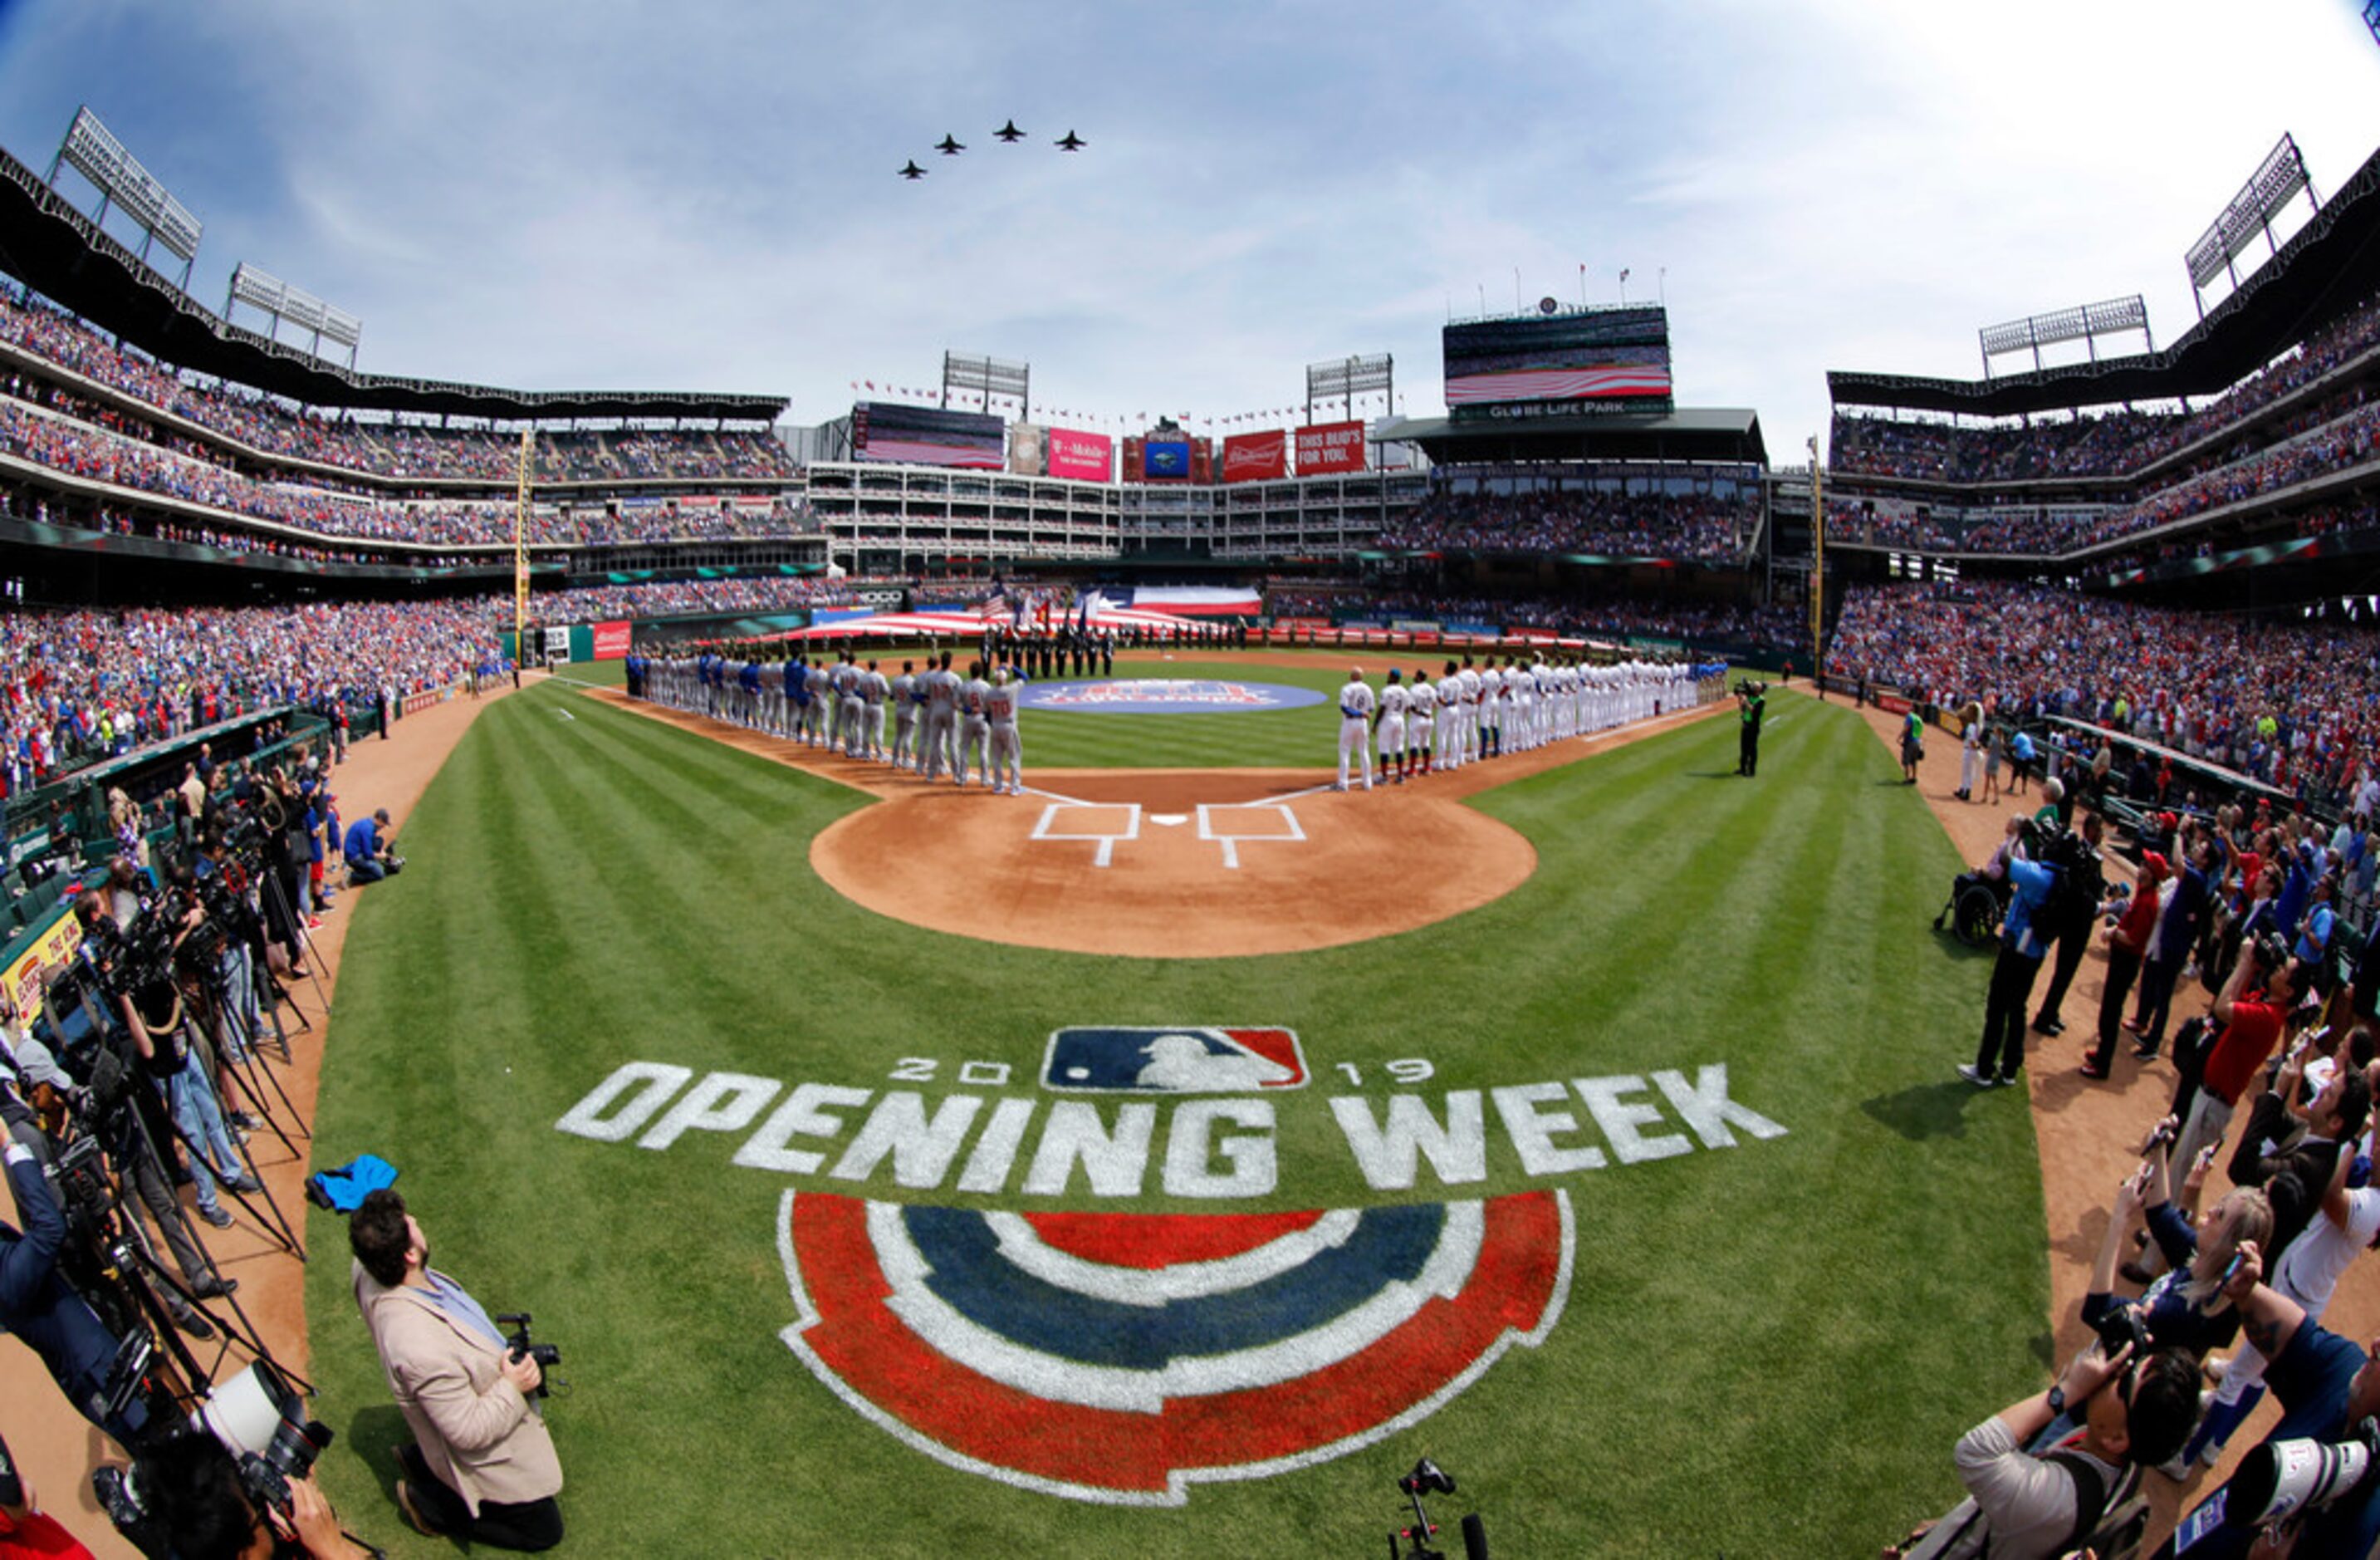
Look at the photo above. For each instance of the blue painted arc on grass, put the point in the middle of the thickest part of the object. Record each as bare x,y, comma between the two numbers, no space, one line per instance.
1166,696
970,1274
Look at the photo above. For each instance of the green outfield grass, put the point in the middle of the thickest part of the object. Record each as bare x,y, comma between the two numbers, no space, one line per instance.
1767,1350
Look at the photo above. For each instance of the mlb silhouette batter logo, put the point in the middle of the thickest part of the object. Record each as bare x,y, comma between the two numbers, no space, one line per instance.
1179,1060
1122,1358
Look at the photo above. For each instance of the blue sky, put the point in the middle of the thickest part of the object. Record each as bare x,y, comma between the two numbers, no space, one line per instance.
701,196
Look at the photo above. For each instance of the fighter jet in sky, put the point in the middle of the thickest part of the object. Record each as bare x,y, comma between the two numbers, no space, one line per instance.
950,146
913,171
1009,132
1072,143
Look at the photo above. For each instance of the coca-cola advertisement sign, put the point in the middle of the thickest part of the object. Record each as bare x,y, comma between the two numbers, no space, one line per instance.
1330,447
1255,458
1088,457
611,641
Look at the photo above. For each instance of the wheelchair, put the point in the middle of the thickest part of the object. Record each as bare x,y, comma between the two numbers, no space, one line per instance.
1975,909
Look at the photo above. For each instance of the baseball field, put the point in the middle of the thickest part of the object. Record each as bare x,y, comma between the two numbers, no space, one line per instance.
1580,1121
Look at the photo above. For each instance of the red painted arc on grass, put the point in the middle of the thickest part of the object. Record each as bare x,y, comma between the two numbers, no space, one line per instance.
911,1317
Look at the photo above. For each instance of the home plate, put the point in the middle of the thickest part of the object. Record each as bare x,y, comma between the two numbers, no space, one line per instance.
1170,820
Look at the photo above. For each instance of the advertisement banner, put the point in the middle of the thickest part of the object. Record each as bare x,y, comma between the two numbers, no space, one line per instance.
1027,449
610,641
1302,624
1255,458
38,961
1324,447
1082,457
1414,625
1166,461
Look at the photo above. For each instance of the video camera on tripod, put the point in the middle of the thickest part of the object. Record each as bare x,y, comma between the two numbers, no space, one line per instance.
1428,1479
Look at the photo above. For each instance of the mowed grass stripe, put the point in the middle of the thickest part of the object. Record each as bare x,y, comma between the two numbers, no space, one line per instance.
1737,1316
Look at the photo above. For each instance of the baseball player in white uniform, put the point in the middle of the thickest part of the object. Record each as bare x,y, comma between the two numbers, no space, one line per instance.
975,727
1389,724
1469,682
1421,719
1450,717
1356,706
1007,751
905,717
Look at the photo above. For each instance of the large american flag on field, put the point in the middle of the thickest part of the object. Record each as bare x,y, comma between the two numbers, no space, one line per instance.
1558,384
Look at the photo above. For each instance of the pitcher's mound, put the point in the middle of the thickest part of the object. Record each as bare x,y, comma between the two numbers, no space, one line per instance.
1171,864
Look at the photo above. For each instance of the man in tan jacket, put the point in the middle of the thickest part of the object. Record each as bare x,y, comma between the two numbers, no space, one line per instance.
481,1465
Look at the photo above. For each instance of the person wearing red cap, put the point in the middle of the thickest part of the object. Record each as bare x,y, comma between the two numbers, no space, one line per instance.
2127,940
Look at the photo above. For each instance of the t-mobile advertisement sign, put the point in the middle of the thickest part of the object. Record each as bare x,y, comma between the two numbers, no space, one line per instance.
1330,447
1088,457
1255,458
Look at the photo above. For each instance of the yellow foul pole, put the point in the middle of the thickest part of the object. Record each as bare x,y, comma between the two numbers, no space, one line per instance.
1817,570
520,548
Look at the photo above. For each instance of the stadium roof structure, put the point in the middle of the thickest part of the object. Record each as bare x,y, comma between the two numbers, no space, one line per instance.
2328,266
1718,434
62,254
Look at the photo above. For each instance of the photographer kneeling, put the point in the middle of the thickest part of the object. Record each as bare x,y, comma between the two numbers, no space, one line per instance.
368,849
481,1465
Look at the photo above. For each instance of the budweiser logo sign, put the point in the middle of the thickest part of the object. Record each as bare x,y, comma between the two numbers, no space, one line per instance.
1255,458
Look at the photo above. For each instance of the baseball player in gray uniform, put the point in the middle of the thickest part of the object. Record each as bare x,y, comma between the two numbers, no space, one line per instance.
1491,711
905,717
1007,751
975,726
1356,706
874,689
941,718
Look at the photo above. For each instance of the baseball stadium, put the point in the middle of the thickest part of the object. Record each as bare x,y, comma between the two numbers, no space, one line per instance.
1531,974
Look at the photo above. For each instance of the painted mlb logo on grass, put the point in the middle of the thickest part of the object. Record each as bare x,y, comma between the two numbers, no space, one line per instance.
1175,1060
1122,1358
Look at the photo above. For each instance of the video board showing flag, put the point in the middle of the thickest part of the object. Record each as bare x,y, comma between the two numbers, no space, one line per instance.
928,436
1603,356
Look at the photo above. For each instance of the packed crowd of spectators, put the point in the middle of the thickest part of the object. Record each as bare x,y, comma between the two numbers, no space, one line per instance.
389,449
2351,439
2339,434
2296,705
1776,627
78,686
2104,446
588,604
2108,444
120,456
1689,527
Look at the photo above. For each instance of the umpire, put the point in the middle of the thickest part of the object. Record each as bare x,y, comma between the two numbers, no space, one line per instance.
1752,706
